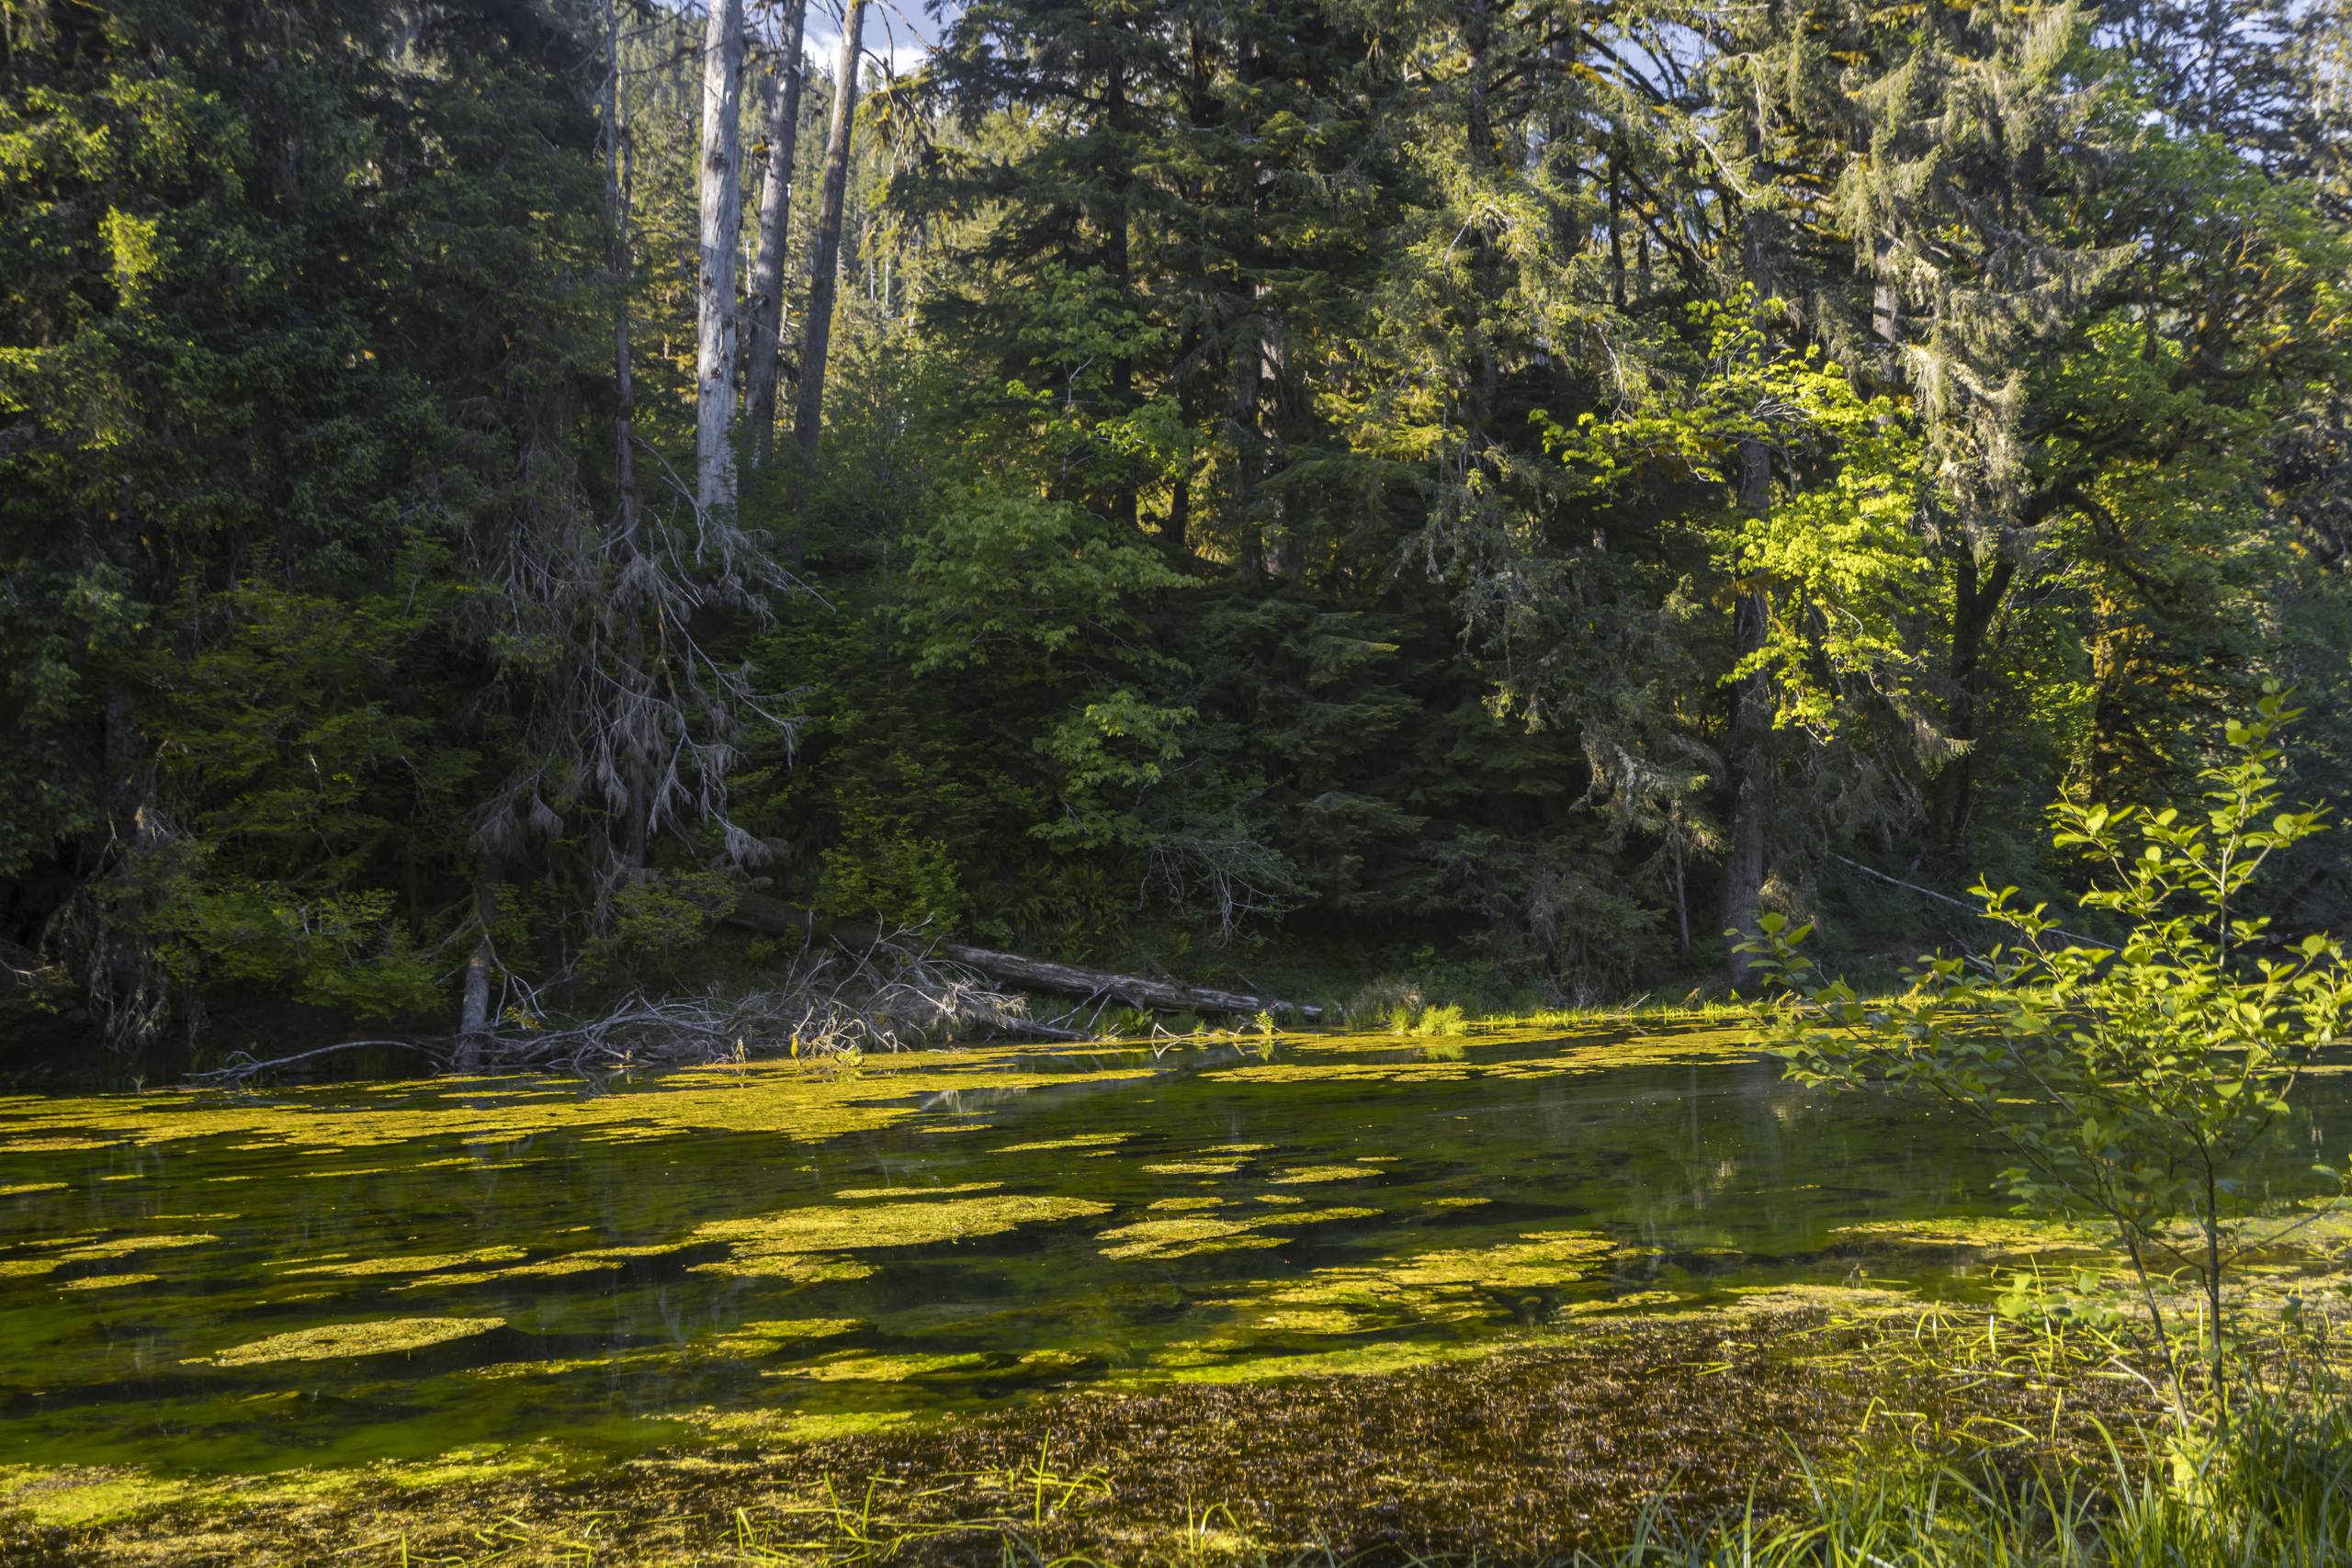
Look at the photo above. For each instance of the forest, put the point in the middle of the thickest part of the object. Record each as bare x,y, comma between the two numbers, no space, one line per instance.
1126,783
1474,497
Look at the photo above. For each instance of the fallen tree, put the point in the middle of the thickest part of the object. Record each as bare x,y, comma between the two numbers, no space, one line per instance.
867,991
774,916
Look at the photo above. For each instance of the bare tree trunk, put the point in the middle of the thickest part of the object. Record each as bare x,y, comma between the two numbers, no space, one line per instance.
127,984
473,1007
1751,724
824,265
766,311
628,599
722,207
1977,593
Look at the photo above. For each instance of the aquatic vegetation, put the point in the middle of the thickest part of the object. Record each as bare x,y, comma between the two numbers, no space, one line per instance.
782,1243
753,1338
652,1265
359,1268
1989,1234
123,1246
106,1281
27,1188
1166,1239
1183,1238
336,1340
1307,1174
80,1496
1549,1258
1075,1141
859,1367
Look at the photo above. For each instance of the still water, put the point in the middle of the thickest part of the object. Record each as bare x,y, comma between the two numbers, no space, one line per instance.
340,1274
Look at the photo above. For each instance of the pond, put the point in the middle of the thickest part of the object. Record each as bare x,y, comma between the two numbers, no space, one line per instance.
201,1283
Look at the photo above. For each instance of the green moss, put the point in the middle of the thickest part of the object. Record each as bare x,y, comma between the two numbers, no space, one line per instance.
80,1498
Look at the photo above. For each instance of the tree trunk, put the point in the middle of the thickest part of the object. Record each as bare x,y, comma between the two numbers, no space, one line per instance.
126,986
1751,727
473,1007
721,210
1976,599
616,194
626,598
825,263
766,303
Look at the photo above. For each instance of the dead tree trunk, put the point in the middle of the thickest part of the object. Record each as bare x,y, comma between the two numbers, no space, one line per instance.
767,303
721,209
474,1006
825,263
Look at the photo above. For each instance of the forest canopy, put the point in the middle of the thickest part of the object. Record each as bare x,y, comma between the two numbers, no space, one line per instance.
1493,492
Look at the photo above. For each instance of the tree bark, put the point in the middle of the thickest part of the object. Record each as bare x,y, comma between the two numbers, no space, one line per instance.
721,210
1976,600
766,303
473,1007
825,263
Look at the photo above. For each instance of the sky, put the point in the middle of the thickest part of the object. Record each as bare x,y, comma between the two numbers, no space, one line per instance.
900,31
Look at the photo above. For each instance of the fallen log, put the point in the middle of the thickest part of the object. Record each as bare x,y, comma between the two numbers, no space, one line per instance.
774,916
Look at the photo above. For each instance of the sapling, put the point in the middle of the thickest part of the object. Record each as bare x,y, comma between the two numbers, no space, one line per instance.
2129,1078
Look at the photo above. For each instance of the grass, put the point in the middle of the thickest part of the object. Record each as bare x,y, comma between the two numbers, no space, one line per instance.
2275,1491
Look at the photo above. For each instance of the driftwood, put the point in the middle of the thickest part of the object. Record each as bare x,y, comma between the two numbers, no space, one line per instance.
776,917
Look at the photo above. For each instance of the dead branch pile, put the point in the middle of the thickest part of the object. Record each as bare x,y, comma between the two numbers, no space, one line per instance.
884,993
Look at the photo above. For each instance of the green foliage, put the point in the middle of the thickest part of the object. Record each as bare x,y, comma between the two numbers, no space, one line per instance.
1375,485
659,918
2129,1077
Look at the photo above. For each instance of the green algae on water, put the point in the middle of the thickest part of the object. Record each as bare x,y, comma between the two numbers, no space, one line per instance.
106,1281
1075,1141
338,1340
1305,1174
425,1263
783,1243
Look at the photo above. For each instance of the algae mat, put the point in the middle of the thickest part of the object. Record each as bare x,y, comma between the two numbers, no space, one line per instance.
334,1278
